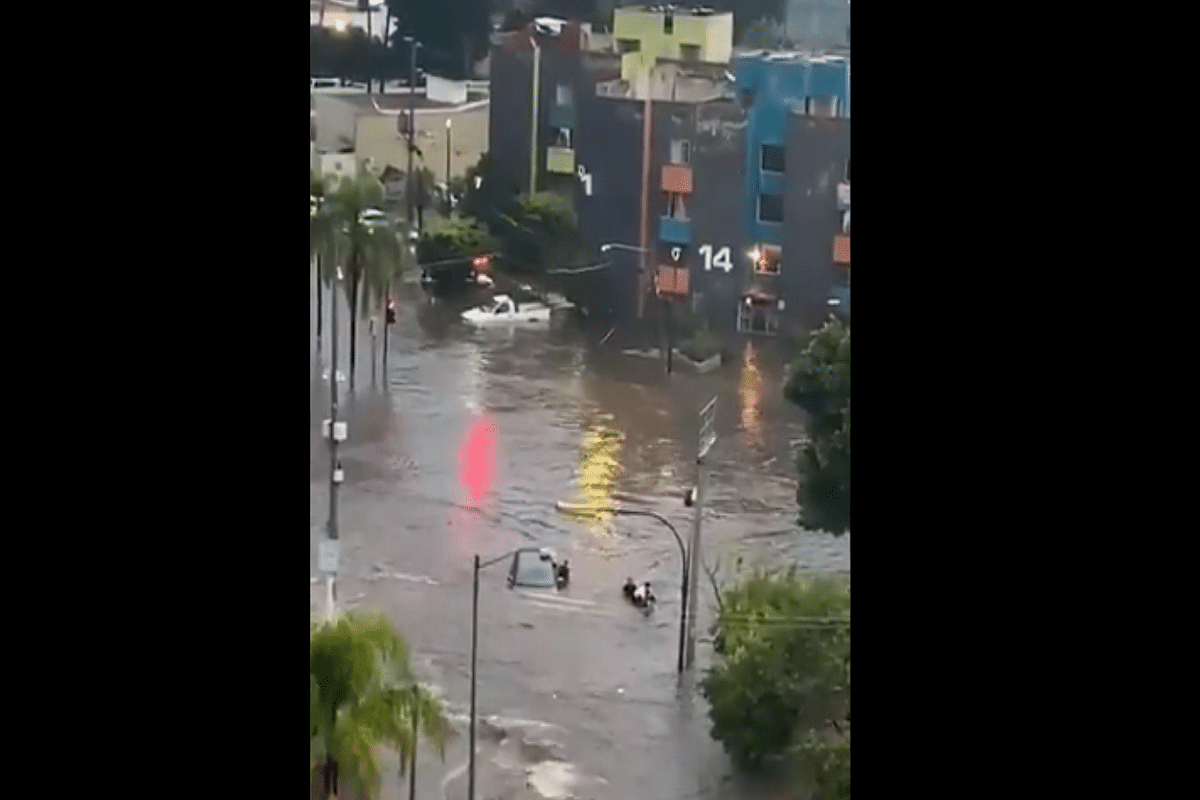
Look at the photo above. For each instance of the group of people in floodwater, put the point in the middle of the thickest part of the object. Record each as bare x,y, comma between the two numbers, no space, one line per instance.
640,596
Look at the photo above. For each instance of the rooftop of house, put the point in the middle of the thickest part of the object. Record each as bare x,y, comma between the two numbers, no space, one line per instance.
392,103
791,56
679,11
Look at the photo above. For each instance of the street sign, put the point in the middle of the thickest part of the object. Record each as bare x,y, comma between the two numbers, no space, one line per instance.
708,427
327,556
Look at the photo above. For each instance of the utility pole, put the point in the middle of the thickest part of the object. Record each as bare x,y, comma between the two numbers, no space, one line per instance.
449,123
336,431
535,112
706,439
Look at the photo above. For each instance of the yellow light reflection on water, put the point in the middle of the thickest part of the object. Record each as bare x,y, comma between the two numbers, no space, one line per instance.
750,396
598,473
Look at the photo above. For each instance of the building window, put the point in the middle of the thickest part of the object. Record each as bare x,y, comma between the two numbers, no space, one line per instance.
758,315
628,45
676,206
773,158
561,137
747,96
821,106
770,208
562,94
769,260
841,278
681,151
668,23
689,53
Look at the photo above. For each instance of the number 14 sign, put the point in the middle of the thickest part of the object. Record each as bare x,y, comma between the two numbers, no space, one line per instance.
716,258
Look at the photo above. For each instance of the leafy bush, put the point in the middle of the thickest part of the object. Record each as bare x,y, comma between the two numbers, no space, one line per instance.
820,384
784,664
454,241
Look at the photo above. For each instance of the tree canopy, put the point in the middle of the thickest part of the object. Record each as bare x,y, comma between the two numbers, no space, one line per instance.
453,33
779,688
820,384
541,233
363,695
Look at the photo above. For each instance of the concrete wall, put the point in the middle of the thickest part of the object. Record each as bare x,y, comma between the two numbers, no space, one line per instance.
336,120
817,150
711,33
338,165
718,145
378,139
445,90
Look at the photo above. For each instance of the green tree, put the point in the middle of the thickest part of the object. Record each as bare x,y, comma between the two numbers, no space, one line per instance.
445,251
820,384
540,234
486,193
453,33
363,695
782,672
320,242
372,249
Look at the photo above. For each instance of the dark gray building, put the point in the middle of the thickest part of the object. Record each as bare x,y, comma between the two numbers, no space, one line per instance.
818,162
659,164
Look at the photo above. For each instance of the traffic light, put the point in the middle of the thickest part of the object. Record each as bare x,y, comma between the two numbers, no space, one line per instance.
391,312
689,497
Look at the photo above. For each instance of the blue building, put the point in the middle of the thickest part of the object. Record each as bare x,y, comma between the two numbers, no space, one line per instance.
796,193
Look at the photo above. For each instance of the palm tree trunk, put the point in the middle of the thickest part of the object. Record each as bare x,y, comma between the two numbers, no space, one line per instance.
331,778
320,303
353,324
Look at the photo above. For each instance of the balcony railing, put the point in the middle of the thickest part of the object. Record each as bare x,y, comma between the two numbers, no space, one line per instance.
677,178
674,230
560,160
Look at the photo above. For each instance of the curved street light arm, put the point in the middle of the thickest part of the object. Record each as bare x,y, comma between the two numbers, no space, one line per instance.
494,561
574,508
604,248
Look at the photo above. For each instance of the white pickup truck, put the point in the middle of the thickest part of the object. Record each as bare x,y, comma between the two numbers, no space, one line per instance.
503,311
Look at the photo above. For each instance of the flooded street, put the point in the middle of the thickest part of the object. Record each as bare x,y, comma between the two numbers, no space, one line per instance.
580,690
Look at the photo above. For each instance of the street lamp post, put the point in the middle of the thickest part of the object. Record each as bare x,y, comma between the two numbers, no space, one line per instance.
479,566
668,317
579,510
413,44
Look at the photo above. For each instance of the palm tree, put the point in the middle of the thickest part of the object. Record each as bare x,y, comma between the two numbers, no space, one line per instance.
320,242
363,695
383,261
366,257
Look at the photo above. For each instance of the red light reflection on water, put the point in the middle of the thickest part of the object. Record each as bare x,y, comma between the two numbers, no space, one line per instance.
477,460
476,471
